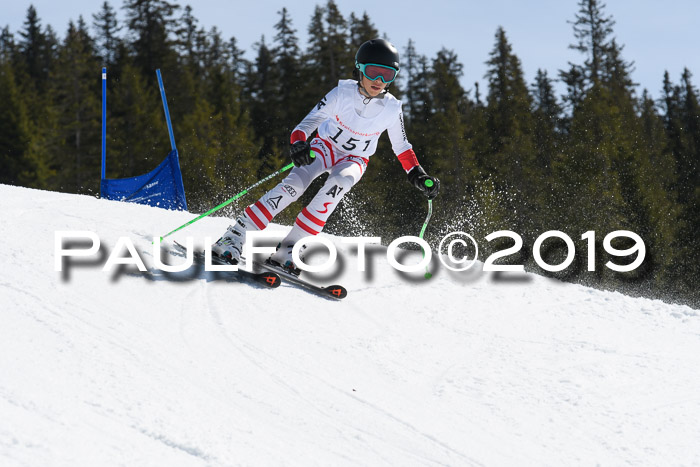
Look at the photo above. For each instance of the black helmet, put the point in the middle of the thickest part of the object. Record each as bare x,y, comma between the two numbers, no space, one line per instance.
378,51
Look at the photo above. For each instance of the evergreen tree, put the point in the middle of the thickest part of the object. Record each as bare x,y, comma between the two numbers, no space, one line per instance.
36,50
340,59
672,106
601,129
216,57
263,85
411,74
446,142
656,142
575,91
217,155
658,214
15,131
138,138
329,51
688,165
592,30
74,87
32,64
150,24
288,71
616,72
107,28
687,157
237,63
187,37
188,79
510,157
317,42
8,48
361,30
547,121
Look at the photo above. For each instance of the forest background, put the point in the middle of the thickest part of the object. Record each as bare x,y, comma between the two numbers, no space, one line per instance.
515,156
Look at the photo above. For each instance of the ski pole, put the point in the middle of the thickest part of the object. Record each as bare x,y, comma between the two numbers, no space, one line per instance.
428,183
231,200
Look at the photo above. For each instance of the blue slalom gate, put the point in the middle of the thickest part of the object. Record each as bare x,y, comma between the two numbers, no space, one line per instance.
162,187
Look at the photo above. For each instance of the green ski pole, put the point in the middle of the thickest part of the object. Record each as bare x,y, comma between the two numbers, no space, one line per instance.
231,200
428,183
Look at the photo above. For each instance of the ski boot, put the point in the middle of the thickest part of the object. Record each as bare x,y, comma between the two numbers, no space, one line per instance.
230,246
282,259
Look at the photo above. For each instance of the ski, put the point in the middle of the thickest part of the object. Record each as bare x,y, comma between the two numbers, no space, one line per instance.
336,292
269,279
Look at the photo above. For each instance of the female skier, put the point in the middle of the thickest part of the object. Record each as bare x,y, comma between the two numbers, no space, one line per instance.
349,119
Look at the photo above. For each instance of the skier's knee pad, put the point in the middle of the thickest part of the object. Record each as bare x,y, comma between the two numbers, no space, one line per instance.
345,181
351,173
298,181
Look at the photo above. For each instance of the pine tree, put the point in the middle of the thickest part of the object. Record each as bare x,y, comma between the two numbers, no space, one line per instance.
217,154
32,64
575,91
217,55
262,86
138,136
510,157
361,30
36,50
187,37
508,100
658,213
74,87
288,70
329,51
107,28
592,30
8,48
448,150
622,118
616,72
237,63
339,58
547,121
601,129
15,132
314,57
689,162
150,24
688,173
188,80
656,142
672,106
411,74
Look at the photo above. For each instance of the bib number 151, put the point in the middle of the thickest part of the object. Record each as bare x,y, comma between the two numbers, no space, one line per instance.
349,144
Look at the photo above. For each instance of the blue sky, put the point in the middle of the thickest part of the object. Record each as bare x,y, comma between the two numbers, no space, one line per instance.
657,35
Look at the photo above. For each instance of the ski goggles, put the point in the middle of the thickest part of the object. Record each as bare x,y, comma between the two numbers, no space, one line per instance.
373,71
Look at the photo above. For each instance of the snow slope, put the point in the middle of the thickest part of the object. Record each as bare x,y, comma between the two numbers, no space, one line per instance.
100,368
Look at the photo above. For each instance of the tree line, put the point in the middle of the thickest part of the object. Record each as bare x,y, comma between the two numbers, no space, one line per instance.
514,156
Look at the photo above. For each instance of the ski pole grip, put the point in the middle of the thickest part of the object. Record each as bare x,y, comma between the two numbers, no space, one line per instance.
313,156
429,183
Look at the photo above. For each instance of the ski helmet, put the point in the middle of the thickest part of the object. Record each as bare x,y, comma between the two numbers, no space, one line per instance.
377,51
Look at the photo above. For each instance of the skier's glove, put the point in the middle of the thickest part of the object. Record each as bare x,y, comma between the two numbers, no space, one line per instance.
430,186
300,152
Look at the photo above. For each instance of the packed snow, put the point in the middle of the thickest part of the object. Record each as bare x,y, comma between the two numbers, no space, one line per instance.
200,369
